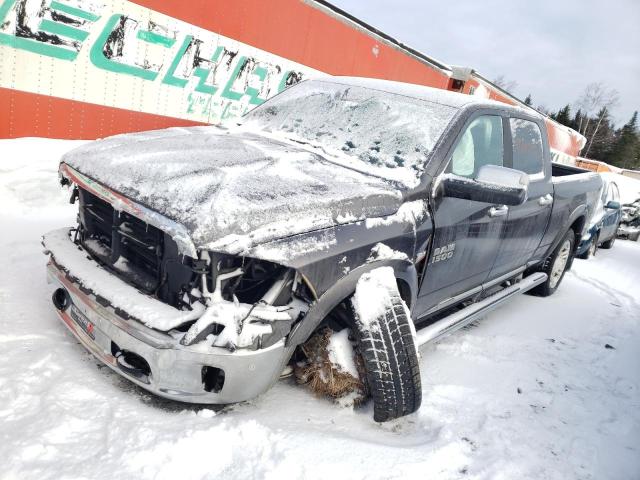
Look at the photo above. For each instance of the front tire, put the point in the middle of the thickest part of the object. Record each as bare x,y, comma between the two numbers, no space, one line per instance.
555,266
386,343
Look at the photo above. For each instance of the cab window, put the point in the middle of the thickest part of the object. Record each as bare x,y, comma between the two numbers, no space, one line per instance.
527,146
480,144
615,193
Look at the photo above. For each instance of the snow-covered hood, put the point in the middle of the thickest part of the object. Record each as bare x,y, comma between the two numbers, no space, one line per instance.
233,190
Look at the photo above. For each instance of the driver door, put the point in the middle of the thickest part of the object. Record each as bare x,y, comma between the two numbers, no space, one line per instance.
526,223
467,233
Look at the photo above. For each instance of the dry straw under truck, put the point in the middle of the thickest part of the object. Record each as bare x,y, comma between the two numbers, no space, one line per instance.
203,257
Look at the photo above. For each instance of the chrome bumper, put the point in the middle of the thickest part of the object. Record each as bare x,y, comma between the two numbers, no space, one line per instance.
175,371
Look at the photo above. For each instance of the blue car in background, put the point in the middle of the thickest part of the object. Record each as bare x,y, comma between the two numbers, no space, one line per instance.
605,222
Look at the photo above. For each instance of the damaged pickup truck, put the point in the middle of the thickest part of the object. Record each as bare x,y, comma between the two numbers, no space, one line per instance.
204,257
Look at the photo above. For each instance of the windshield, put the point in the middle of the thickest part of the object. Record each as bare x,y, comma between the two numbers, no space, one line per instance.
386,134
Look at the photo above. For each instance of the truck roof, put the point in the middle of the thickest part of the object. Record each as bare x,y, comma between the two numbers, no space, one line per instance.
430,94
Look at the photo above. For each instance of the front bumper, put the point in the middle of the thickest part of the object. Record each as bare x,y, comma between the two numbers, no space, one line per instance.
177,372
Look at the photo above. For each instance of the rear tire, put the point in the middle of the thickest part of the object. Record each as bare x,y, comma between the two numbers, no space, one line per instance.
556,265
390,357
609,243
591,251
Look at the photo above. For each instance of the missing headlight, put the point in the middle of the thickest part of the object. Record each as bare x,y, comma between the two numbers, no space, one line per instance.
250,303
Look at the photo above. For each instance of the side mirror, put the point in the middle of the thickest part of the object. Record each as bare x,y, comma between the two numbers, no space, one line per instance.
613,205
493,184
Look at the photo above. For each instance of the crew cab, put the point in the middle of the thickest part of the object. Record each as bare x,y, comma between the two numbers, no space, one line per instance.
204,256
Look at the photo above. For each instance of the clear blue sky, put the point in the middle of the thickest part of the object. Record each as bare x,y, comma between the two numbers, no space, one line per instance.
552,48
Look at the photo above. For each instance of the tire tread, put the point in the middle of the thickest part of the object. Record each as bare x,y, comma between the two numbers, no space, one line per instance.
391,362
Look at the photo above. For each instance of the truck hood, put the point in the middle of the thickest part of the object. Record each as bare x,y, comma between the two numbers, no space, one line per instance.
234,189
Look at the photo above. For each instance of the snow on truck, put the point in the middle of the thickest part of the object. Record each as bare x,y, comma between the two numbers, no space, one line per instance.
204,257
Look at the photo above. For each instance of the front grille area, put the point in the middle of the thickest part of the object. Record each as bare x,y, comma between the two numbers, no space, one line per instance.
139,253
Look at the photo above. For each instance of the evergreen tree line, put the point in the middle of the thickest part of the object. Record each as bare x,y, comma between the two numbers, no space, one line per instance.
591,117
616,146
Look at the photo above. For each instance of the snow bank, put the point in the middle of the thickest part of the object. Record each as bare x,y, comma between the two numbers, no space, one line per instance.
29,176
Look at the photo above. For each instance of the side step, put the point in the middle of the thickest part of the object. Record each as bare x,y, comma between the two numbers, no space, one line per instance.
467,315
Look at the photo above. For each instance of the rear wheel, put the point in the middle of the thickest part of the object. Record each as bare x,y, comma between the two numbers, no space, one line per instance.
591,251
385,339
609,243
556,266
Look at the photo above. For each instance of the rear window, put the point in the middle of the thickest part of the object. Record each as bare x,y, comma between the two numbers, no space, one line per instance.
527,146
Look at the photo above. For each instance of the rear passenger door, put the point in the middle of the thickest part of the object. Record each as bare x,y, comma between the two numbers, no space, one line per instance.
525,224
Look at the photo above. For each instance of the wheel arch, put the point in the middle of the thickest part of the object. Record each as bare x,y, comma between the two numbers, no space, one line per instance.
577,225
576,221
406,278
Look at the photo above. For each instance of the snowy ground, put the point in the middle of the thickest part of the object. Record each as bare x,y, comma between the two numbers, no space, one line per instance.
540,389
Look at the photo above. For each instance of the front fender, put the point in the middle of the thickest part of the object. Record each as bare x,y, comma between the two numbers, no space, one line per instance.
404,270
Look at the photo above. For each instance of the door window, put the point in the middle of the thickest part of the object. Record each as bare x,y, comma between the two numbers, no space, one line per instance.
615,193
605,193
480,144
527,146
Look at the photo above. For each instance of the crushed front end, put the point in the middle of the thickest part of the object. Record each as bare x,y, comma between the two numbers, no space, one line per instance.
186,324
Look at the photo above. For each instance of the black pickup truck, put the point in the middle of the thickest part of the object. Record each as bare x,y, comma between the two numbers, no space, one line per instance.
203,257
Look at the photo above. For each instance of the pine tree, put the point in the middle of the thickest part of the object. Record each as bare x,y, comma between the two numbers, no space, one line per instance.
600,136
627,144
528,101
577,120
564,115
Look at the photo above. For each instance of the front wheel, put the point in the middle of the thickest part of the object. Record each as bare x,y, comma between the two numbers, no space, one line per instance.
555,266
385,336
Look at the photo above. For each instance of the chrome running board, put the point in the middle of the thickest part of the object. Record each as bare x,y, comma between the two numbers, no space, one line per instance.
468,314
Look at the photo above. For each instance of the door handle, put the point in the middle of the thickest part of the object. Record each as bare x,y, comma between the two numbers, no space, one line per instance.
500,211
545,200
